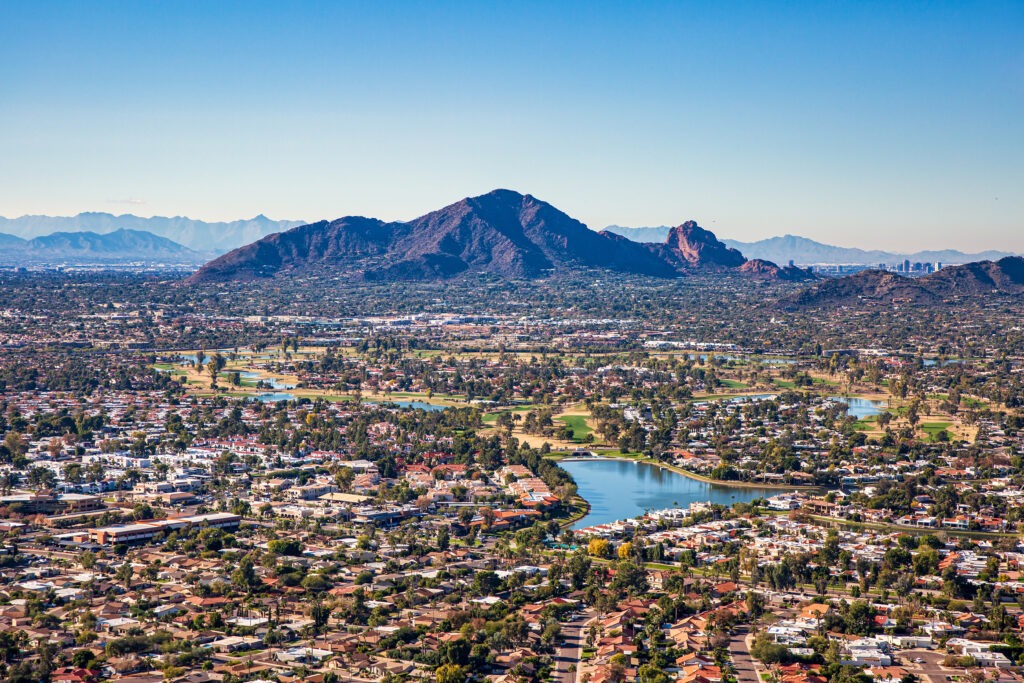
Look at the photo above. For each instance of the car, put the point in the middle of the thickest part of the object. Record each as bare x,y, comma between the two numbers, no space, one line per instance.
918,660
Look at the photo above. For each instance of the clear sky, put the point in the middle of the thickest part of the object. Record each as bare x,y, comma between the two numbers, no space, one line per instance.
876,124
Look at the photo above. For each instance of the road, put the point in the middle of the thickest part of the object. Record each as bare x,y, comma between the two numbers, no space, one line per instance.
746,668
930,668
574,634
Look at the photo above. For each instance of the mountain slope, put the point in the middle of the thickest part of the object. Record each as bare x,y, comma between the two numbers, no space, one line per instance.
517,235
12,242
980,279
1004,276
864,287
503,233
304,247
194,234
117,243
88,247
692,247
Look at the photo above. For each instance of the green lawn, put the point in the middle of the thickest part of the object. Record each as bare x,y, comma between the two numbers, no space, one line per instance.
578,425
733,384
867,424
933,429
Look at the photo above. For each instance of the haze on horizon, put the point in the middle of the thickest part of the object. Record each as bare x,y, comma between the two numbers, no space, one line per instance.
888,126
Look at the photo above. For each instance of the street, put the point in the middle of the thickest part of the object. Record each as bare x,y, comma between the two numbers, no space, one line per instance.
746,669
571,649
931,668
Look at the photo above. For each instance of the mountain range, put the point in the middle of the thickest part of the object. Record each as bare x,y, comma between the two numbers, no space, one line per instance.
502,233
979,279
215,238
804,251
200,236
118,246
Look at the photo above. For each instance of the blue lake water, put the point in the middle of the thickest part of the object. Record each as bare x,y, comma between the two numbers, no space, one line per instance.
274,397
623,489
274,383
861,408
415,405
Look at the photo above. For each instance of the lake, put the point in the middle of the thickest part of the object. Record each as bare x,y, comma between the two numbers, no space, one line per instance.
413,405
861,408
270,381
623,489
274,397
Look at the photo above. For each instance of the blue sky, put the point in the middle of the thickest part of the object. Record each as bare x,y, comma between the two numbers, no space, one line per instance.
884,125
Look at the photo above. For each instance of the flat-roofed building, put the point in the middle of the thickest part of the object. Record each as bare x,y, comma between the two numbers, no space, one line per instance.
142,532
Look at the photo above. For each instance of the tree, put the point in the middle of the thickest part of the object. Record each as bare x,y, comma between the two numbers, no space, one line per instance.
124,574
487,515
578,567
649,673
320,616
767,652
485,582
450,673
15,444
82,659
244,577
598,547
455,652
316,583
630,577
551,633
41,478
217,363
73,472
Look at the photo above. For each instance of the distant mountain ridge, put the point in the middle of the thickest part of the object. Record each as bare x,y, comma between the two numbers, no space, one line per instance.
89,247
197,235
979,279
805,251
502,233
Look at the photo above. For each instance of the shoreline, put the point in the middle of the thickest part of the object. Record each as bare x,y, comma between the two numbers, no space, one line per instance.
573,519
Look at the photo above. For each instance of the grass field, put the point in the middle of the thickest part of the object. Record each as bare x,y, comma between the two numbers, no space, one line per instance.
578,425
867,424
933,429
